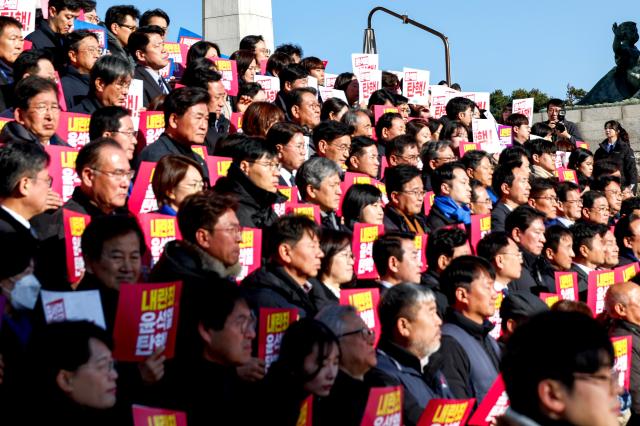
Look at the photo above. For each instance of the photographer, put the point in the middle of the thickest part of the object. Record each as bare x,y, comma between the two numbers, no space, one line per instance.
562,129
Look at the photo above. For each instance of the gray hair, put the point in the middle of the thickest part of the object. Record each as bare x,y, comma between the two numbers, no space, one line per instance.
334,316
314,171
400,300
350,118
430,150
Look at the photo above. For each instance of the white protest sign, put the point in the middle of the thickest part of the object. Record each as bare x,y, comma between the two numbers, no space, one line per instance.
364,61
73,306
524,107
270,85
368,82
415,86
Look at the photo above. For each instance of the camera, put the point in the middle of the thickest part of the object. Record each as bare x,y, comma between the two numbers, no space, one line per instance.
560,128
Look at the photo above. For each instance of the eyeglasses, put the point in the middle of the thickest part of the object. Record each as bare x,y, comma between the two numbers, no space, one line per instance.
246,323
411,158
234,229
42,109
614,193
123,85
552,199
196,186
601,209
312,105
365,332
92,50
485,202
118,175
275,166
446,158
130,27
48,180
264,51
416,192
613,380
133,134
518,254
343,148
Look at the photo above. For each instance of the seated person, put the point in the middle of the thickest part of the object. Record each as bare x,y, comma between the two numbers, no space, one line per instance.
595,207
389,126
406,199
479,167
363,157
288,140
362,203
318,182
542,197
557,254
114,122
332,140
434,154
453,195
588,249
174,179
511,185
627,233
525,225
480,198
569,205
402,149
504,255
520,130
83,51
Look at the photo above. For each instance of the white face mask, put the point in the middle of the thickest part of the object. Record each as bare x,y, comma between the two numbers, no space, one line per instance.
419,165
25,293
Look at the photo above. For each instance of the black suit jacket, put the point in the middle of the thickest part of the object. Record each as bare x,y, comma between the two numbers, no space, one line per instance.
150,87
9,225
583,281
498,216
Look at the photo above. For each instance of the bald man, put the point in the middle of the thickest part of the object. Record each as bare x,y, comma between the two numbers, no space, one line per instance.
622,304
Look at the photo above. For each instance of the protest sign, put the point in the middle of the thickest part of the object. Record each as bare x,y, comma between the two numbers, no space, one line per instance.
481,99
218,167
582,144
415,86
62,102
626,272
73,128
201,150
173,50
496,319
270,85
440,95
273,322
465,147
99,31
567,285
597,285
365,300
428,202
168,70
494,404
187,37
364,236
312,82
151,126
61,306
363,62
229,70
133,101
62,169
420,242
524,107
146,320
328,92
147,416
305,418
567,175
549,299
622,358
485,133
235,122
158,230
250,251
312,211
291,192
22,10
329,80
504,135
384,407
480,226
447,412
380,110
368,82
4,121
74,224
142,199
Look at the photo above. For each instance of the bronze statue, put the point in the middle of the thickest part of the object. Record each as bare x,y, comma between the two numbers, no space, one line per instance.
623,81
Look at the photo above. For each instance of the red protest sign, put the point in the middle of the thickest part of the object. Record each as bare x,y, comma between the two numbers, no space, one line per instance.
384,407
428,202
626,272
27,45
62,169
273,323
582,144
158,230
291,192
597,285
142,199
365,300
567,175
200,150
622,351
420,242
151,125
494,404
270,85
147,416
61,100
229,71
496,319
567,285
146,319
364,236
524,107
447,412
468,146
73,128
235,122
480,226
218,167
74,224
305,418
380,110
4,121
250,251
549,299
312,211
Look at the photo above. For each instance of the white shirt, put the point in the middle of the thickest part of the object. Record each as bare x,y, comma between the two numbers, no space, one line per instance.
156,77
288,176
566,222
584,268
24,222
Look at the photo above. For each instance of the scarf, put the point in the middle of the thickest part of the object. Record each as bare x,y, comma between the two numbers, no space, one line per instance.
412,224
453,210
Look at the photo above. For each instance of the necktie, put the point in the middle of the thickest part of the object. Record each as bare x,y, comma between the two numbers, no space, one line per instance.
163,86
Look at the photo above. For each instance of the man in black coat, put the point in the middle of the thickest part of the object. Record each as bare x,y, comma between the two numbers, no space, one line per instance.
453,196
588,247
50,35
294,257
11,33
121,22
83,51
186,119
146,46
406,199
510,183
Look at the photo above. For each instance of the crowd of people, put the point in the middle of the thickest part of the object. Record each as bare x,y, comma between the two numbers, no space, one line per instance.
438,336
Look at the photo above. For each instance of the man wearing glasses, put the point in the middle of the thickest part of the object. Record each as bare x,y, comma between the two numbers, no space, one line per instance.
83,52
510,182
406,199
589,250
569,203
542,197
121,22
611,186
332,140
114,122
407,351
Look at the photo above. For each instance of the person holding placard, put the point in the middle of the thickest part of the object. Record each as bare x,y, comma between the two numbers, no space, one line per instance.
397,261
292,77
542,158
288,140
460,109
83,51
525,225
542,197
175,177
407,353
360,120
435,154
348,398
611,187
304,111
470,355
588,247
595,207
332,140
389,125
109,85
362,203
402,150
504,255
336,268
520,130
